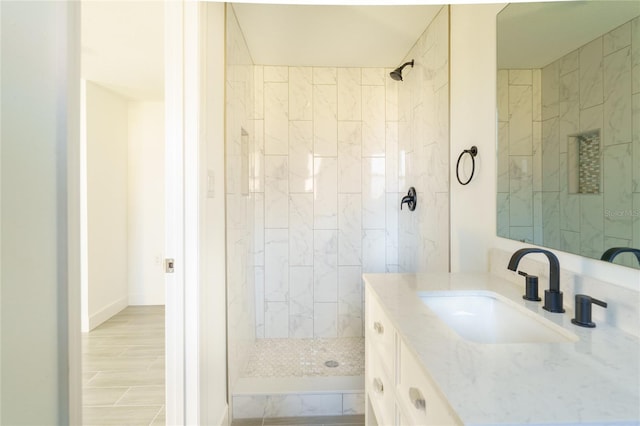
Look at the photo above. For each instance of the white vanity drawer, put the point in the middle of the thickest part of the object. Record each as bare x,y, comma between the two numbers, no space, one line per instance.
421,402
380,392
380,334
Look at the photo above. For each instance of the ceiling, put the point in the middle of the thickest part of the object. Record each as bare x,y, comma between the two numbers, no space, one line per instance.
123,47
532,35
343,36
123,41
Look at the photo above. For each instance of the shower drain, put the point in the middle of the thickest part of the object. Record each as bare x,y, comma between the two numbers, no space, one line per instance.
331,364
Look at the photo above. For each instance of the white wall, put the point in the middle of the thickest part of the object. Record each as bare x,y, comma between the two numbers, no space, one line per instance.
38,75
145,206
106,198
473,122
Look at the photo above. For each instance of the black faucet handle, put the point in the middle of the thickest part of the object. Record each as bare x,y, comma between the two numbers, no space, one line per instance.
531,287
583,310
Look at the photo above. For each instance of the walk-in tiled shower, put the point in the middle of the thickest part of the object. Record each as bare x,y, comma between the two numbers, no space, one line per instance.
329,152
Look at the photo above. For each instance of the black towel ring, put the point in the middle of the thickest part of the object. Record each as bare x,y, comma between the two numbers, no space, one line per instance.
472,152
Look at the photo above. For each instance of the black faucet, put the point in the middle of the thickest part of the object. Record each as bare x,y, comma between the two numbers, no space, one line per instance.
553,296
614,251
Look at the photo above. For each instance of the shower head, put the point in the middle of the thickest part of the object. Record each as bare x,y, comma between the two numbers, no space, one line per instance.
397,73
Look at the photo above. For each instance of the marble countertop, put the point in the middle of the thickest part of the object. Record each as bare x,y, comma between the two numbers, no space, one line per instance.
595,380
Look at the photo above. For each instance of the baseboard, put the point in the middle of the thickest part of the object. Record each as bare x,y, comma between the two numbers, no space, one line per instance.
224,420
107,312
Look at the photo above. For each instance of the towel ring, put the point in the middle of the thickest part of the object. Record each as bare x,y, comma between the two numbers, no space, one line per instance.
472,152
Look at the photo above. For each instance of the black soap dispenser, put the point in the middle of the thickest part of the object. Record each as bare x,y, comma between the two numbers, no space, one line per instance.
583,310
531,287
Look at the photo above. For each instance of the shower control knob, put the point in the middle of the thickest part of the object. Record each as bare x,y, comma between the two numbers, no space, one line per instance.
378,327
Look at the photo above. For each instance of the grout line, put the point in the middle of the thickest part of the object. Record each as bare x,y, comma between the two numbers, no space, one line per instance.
156,416
119,399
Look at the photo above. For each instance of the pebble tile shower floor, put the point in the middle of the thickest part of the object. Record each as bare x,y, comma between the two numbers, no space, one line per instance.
306,357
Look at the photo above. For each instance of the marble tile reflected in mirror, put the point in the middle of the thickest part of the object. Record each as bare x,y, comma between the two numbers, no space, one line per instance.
568,96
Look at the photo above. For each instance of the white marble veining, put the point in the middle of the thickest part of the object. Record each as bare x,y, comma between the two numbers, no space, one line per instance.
349,229
325,266
350,156
325,320
636,142
373,193
391,228
592,226
350,317
301,301
276,121
374,76
617,101
301,229
349,94
551,219
259,282
325,192
520,119
276,254
617,39
304,405
503,157
300,93
276,320
617,191
373,250
325,75
569,106
550,88
521,191
325,111
276,191
276,74
258,88
635,54
373,121
508,384
503,95
391,102
300,156
536,87
391,157
591,83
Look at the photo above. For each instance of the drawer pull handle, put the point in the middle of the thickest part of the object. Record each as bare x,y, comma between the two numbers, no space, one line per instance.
378,327
378,386
417,399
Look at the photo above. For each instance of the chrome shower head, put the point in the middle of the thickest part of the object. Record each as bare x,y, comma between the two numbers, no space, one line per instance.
397,73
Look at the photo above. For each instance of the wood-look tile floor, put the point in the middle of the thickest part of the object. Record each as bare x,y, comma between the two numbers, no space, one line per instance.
123,369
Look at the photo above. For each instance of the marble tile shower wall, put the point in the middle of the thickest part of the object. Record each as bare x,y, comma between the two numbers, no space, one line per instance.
326,207
337,155
519,189
423,151
241,141
597,86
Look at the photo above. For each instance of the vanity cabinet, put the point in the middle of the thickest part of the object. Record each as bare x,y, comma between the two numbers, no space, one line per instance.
399,390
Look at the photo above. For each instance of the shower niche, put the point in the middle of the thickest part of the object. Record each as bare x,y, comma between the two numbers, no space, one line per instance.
584,161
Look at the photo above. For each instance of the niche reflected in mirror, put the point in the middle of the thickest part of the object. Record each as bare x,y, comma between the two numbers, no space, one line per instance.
568,92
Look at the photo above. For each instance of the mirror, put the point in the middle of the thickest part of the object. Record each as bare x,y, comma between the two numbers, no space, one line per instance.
568,93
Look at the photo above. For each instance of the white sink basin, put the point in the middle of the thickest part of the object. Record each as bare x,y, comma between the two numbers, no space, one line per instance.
487,317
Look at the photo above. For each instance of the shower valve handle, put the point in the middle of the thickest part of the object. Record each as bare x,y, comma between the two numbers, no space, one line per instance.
378,327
